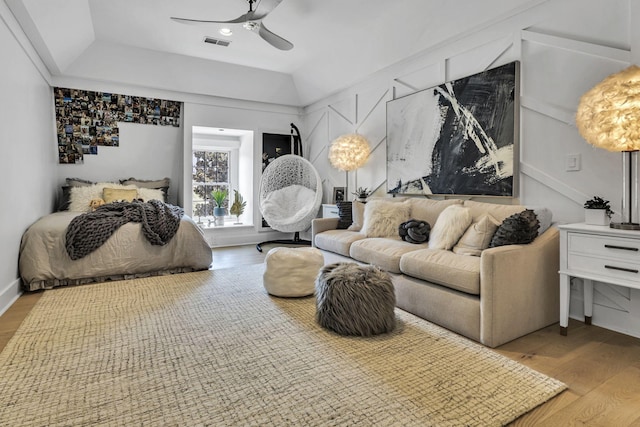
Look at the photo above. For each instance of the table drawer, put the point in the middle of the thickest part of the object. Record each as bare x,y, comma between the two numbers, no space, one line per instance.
330,211
602,266
611,247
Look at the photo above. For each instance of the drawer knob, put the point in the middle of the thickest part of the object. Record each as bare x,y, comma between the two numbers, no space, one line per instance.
624,248
628,270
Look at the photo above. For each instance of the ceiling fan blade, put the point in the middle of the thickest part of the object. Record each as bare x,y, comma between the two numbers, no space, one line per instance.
274,39
263,8
244,18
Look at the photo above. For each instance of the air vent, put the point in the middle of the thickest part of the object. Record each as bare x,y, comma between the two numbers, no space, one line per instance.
212,40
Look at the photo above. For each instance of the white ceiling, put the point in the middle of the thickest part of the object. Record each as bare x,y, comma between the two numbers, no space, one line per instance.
336,42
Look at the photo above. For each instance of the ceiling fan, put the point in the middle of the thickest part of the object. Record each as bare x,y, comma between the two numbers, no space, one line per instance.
252,21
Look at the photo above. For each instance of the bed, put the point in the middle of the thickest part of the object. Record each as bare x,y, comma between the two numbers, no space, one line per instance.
45,262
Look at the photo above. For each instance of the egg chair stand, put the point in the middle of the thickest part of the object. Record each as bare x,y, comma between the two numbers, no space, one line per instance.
295,241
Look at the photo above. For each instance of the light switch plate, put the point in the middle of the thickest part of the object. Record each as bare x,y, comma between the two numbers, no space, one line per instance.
572,162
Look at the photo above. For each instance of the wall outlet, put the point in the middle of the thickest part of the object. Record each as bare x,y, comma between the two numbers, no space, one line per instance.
572,162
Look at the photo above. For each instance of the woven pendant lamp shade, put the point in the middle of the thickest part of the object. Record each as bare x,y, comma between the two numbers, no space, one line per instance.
349,152
609,114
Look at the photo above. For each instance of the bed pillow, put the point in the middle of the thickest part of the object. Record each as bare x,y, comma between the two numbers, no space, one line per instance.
151,183
449,227
477,237
110,195
78,182
156,184
65,197
147,194
80,197
382,218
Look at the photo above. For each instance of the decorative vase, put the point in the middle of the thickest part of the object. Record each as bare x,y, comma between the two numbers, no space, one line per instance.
596,217
219,214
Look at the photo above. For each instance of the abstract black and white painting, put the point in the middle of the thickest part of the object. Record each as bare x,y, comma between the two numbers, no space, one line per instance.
456,138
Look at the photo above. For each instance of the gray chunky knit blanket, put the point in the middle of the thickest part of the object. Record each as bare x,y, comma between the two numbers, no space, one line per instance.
87,232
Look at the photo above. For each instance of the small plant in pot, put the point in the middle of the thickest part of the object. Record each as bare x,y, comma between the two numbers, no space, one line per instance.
219,212
597,211
362,194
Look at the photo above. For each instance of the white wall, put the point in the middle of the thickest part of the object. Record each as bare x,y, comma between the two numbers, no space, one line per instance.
28,151
256,117
565,47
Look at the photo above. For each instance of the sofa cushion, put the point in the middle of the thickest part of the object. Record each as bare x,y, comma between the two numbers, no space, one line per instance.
337,241
382,217
382,252
449,227
477,237
428,209
499,212
445,268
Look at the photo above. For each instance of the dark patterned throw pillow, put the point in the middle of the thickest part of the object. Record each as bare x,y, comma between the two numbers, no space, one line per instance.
345,217
518,229
414,231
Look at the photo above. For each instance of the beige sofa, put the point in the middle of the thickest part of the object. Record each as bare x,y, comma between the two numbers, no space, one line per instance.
505,293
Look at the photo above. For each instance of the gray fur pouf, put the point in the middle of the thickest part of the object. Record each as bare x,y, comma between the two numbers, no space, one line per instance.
355,300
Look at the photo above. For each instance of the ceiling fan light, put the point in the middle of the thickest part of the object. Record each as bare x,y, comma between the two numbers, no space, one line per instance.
225,31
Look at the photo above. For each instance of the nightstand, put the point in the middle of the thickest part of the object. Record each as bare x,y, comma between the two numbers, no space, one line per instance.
329,211
596,252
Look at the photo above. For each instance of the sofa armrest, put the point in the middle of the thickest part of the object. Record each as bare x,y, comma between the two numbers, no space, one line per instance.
318,225
519,288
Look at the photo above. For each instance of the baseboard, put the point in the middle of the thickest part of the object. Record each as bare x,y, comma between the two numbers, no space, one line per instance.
9,294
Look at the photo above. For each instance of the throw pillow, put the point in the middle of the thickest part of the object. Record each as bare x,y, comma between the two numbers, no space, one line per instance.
477,237
344,215
382,218
357,216
118,194
414,231
518,229
449,227
544,215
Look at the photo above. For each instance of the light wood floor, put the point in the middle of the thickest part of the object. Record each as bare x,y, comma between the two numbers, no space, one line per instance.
601,367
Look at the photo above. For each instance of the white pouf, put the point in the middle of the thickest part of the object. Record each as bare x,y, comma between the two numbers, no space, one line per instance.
291,272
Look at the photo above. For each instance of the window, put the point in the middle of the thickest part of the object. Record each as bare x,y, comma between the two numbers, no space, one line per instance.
221,159
211,171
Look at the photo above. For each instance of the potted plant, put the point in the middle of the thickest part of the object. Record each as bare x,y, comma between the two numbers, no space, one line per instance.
361,194
219,212
597,211
237,208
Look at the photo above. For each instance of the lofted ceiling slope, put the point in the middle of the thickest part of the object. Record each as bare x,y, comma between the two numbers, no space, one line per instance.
336,42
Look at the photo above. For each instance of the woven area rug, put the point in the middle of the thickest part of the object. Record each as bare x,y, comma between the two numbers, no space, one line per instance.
213,348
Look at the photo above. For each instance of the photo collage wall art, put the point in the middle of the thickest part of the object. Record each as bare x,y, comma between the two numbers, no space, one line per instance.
87,119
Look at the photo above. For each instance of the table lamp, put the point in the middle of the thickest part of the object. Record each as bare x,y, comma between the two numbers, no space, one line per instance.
608,117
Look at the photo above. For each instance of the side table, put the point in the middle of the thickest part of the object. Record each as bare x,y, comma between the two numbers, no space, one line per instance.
329,211
596,252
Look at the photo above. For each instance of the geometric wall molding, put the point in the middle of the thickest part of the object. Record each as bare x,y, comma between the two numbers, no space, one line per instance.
548,109
553,183
616,54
